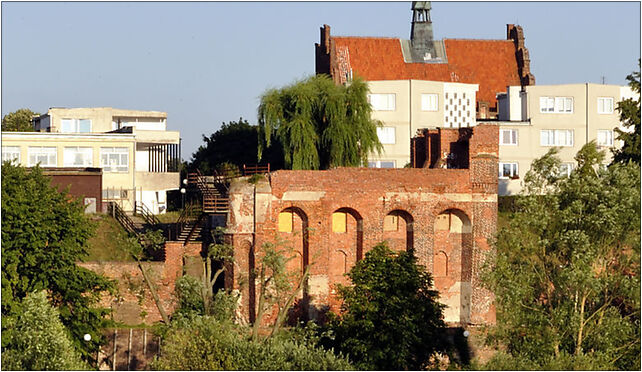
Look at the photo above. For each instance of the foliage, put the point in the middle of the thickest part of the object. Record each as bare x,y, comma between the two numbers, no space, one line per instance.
189,293
277,286
154,242
18,121
235,143
39,340
319,124
44,234
199,297
567,273
390,318
630,117
204,343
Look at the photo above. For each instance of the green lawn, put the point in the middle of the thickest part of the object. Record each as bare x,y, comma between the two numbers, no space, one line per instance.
110,241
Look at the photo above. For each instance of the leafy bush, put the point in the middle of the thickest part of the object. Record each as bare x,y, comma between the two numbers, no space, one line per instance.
204,343
39,341
190,297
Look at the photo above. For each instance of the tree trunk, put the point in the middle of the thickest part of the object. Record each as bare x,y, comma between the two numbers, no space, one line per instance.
280,318
152,290
578,346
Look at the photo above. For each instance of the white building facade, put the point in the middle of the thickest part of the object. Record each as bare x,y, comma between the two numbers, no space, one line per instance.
537,118
404,106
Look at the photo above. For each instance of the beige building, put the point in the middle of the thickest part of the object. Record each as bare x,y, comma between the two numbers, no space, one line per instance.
139,157
407,105
535,119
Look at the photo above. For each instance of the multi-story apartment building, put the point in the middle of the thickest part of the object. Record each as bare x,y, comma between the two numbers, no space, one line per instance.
404,106
533,119
139,157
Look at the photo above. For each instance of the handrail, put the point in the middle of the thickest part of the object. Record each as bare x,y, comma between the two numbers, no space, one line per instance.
121,217
256,169
215,204
197,223
147,214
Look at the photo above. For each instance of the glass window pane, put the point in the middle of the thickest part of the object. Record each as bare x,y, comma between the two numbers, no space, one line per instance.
68,126
84,126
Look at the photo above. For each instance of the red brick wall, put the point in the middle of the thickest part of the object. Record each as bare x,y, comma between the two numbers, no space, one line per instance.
133,304
419,195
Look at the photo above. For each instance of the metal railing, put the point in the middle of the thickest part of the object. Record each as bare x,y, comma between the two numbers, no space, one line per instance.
146,213
189,213
215,204
117,212
256,169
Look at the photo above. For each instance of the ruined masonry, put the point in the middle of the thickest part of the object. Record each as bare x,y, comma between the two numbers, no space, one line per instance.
445,208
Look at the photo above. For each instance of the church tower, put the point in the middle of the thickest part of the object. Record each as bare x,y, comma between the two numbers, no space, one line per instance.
421,37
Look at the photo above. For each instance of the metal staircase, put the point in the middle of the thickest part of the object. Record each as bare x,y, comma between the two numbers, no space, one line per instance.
214,199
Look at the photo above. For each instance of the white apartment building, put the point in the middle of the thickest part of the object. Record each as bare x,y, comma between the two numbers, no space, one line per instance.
404,106
536,118
139,157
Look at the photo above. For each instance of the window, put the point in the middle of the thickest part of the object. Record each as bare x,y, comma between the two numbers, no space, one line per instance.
114,159
604,105
78,157
556,104
339,222
391,223
429,102
46,156
381,164
508,170
508,136
114,194
382,101
557,137
76,126
285,221
386,135
11,153
605,137
565,169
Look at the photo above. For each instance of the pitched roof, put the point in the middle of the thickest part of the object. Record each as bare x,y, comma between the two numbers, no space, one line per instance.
490,63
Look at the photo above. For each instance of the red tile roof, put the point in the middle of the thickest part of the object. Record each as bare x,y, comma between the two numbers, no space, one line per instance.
489,63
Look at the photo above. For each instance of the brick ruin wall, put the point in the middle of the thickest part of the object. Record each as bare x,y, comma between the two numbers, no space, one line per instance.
133,303
448,216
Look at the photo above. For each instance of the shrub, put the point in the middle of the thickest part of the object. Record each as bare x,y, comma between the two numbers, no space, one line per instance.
204,343
39,341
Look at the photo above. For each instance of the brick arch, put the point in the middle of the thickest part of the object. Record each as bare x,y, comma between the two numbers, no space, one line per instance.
299,236
453,239
298,240
398,230
346,231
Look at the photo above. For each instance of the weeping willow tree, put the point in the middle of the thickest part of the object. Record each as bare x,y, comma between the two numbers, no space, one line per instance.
320,124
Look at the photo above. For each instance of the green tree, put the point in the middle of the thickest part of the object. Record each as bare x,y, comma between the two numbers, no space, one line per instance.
390,318
630,117
18,121
319,124
235,143
567,274
39,340
44,234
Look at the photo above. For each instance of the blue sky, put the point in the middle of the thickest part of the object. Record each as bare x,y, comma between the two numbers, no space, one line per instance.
205,63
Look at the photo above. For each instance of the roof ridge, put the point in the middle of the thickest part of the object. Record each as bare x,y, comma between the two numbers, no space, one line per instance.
367,37
465,39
